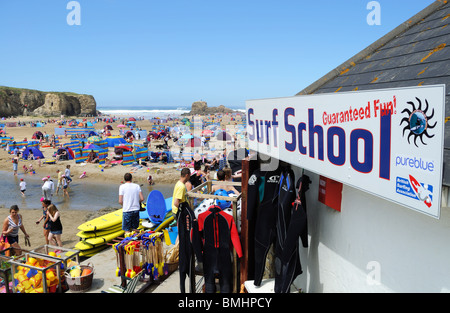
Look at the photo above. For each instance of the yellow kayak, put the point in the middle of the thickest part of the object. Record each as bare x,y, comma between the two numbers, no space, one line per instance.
106,221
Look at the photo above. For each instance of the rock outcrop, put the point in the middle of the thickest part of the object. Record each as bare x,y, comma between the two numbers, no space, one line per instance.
16,101
201,108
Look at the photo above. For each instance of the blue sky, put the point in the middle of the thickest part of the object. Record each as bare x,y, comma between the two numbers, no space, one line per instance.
174,52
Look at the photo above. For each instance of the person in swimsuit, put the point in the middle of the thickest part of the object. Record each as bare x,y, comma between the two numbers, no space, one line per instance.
11,226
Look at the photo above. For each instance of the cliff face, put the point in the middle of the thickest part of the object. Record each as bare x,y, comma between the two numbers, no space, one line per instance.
15,101
201,107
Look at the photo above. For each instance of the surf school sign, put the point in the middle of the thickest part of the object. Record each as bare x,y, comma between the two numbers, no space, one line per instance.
386,142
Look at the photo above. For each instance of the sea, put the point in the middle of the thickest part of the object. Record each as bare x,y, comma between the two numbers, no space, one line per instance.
149,112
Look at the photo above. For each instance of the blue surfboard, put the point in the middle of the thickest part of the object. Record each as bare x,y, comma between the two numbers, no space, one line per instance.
156,206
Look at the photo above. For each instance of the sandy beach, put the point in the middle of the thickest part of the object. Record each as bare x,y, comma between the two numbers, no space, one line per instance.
112,176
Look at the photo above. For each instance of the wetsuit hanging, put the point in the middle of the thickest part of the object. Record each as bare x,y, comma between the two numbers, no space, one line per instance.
218,229
283,199
289,260
262,212
186,265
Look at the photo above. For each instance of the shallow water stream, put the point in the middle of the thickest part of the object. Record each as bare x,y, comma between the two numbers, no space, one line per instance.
84,195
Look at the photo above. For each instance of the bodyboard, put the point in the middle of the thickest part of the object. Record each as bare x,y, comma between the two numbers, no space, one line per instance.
156,206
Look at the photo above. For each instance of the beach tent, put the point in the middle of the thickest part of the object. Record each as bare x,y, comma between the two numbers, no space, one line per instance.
129,133
69,152
35,151
224,136
37,135
194,142
115,140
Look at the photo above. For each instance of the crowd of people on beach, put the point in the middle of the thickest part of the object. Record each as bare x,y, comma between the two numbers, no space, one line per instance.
202,167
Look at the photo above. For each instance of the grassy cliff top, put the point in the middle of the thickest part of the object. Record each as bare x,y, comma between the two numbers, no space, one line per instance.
19,90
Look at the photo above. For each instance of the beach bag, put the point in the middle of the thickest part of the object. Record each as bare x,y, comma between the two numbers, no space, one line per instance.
4,245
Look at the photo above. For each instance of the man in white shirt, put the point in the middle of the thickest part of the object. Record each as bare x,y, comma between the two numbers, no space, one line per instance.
130,197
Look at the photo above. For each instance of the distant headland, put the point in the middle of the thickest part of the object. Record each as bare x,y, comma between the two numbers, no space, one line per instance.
20,102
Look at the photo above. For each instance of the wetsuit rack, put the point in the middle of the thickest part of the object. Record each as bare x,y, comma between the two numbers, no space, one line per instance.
196,194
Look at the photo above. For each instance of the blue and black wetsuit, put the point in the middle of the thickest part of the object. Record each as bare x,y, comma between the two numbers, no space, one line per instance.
262,212
292,225
283,200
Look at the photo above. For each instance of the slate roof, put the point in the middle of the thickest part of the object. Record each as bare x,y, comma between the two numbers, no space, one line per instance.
415,53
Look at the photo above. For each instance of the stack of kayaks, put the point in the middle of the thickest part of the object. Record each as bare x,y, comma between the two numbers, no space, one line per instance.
96,233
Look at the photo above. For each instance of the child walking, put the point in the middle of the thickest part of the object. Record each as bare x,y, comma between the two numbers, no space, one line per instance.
23,187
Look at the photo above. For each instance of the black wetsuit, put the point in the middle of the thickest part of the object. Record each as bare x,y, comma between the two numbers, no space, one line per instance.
186,265
262,212
218,230
288,265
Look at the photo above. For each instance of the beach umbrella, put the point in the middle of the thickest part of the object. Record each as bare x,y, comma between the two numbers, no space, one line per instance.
207,132
132,119
92,146
224,136
108,127
94,139
121,125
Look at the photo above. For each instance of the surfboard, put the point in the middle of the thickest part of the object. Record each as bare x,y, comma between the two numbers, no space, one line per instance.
156,206
102,222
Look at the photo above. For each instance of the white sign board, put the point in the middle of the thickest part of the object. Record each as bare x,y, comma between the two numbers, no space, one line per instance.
386,142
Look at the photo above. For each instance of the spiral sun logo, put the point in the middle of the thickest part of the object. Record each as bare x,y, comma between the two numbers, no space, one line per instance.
417,122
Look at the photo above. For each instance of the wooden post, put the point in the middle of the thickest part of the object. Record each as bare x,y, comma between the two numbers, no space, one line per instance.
244,222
